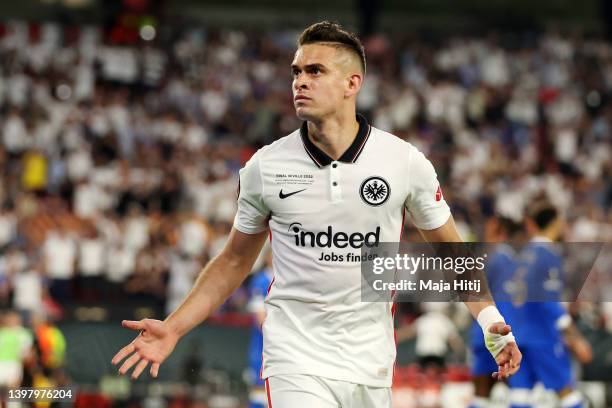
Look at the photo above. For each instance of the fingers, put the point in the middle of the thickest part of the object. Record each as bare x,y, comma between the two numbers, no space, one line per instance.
503,357
129,363
123,353
139,369
515,357
500,328
154,370
139,356
509,362
510,353
133,324
501,373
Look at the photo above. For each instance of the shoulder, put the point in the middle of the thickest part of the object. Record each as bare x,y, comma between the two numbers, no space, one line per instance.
388,140
545,249
552,252
396,148
281,146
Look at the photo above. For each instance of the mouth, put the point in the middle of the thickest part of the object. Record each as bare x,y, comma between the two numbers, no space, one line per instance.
300,98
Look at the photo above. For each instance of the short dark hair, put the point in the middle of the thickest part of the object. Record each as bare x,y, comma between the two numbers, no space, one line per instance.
332,32
543,214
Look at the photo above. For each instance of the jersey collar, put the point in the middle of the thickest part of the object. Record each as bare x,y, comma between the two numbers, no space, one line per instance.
349,156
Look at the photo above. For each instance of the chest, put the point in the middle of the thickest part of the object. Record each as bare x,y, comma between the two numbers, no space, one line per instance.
361,190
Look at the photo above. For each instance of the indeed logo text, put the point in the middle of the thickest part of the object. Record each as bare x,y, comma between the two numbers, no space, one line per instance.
328,238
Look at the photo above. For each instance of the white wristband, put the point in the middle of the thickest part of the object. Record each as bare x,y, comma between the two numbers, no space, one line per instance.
488,316
564,322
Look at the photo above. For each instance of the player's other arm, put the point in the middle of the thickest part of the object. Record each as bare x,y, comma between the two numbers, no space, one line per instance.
218,280
214,285
431,215
498,337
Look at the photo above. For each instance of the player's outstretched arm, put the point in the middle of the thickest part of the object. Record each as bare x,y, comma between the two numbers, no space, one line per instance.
577,344
214,285
497,333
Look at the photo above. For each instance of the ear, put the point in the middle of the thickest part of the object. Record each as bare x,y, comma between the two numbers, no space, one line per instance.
353,84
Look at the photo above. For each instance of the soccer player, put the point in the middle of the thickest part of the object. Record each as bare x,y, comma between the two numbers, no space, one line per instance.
542,324
322,193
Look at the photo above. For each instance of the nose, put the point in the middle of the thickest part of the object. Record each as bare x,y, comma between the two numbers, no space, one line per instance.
299,82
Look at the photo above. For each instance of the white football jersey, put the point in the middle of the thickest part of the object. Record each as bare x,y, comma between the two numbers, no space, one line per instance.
320,213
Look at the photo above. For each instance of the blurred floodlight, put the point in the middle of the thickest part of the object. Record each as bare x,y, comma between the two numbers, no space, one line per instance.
147,32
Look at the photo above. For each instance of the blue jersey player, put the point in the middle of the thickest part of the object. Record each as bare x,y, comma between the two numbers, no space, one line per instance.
258,290
542,324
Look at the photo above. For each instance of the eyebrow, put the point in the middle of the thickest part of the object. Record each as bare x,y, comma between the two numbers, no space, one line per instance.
309,66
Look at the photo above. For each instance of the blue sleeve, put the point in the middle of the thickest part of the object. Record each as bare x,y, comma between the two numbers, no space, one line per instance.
259,285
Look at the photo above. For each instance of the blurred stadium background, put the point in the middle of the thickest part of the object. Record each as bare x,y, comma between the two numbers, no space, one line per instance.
123,125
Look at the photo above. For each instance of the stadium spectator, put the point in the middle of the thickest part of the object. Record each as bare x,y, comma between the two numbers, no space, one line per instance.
91,264
29,290
16,347
434,332
60,254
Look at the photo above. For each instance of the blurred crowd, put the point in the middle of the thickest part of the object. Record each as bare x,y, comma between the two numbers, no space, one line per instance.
119,163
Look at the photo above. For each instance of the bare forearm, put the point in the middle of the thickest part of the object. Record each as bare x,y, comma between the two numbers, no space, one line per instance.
449,233
571,334
217,281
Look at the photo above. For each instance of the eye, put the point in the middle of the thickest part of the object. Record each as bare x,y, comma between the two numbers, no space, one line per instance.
295,72
315,70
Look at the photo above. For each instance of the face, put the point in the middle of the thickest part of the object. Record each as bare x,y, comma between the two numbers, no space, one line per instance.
324,78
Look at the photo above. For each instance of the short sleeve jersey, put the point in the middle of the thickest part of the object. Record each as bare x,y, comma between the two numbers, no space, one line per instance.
320,212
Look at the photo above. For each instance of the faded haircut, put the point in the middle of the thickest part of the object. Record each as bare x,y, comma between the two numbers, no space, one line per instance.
331,32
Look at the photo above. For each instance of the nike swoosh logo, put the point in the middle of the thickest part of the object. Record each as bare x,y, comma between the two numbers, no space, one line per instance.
283,196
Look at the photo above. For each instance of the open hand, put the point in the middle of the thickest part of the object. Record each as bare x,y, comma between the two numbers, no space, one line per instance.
509,358
152,346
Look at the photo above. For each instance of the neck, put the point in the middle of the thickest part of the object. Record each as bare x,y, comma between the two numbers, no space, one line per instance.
543,236
335,134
